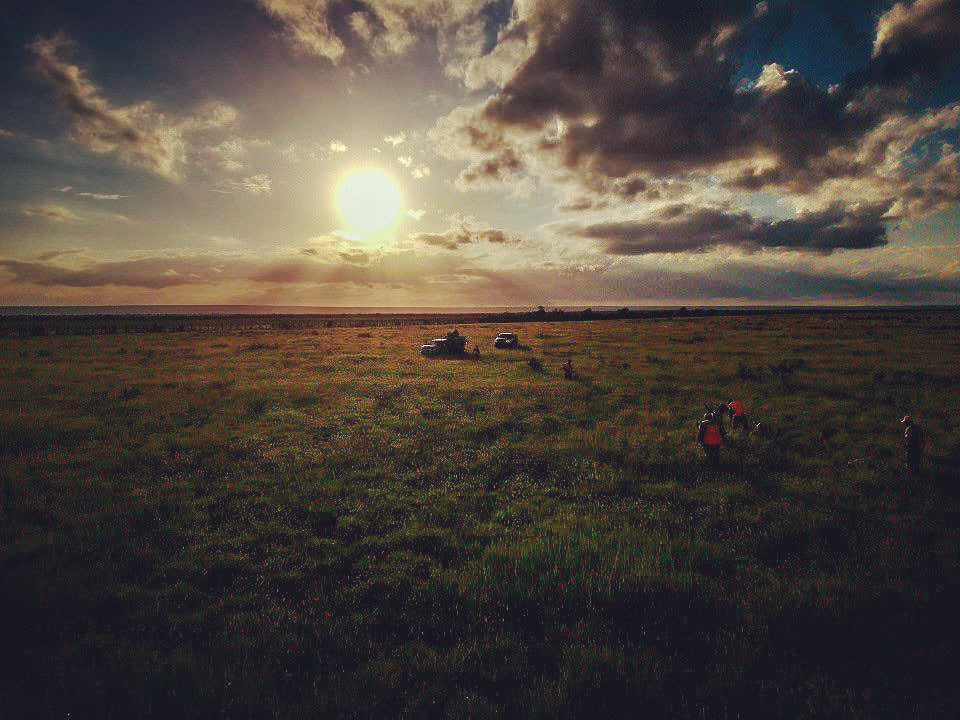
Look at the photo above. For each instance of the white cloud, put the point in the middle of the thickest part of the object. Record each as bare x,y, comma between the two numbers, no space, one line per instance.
303,152
405,160
255,185
139,135
383,27
464,58
306,25
398,139
337,146
100,196
229,154
49,212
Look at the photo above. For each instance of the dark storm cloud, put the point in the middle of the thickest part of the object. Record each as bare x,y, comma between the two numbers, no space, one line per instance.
682,228
644,85
914,41
647,88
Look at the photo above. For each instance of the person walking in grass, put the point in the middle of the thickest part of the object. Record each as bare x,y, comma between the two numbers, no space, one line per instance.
711,435
912,444
568,369
739,419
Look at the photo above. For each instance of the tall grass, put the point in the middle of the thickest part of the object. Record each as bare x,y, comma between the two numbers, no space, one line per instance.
308,524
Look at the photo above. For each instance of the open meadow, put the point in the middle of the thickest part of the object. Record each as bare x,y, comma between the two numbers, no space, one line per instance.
323,523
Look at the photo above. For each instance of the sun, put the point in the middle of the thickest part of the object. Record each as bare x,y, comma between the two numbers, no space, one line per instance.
368,201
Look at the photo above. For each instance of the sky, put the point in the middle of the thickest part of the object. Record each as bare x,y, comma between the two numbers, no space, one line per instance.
471,153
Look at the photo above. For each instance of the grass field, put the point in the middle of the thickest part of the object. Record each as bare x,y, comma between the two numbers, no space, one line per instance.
325,524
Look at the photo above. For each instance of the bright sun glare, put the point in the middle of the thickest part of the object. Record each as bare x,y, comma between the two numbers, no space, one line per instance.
368,201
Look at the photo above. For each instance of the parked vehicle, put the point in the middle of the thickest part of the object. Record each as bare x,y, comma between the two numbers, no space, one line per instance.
453,344
506,340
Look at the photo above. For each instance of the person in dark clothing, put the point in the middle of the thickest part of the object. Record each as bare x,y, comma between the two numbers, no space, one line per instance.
720,414
711,435
912,443
568,369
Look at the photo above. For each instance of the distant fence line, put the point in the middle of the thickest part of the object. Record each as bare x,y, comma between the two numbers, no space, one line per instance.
40,325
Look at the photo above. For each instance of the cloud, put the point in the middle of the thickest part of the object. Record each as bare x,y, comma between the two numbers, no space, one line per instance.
306,26
683,228
405,160
570,116
464,55
397,139
230,154
449,240
653,116
492,170
54,254
355,257
138,135
233,153
465,232
254,185
420,172
313,265
919,37
7,134
416,214
448,276
147,273
300,152
89,195
100,196
330,29
50,212
337,146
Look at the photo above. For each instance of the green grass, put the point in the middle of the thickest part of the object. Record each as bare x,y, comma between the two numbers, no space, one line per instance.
325,524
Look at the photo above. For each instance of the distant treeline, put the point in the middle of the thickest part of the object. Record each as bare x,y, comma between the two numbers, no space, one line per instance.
111,324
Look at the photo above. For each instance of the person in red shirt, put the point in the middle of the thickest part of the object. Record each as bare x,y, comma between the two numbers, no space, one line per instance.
711,436
739,419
